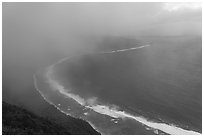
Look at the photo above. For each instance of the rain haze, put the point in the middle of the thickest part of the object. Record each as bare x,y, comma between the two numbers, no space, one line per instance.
135,68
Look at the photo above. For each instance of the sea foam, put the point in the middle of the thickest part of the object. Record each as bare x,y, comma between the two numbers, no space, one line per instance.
91,103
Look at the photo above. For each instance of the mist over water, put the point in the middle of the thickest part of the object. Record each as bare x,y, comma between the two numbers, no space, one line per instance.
143,59
104,98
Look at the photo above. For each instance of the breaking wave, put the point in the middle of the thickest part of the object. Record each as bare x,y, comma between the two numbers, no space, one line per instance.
112,111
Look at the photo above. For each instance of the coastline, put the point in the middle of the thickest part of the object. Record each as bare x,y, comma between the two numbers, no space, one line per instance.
52,104
106,110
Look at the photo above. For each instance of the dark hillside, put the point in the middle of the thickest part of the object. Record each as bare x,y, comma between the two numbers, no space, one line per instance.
18,121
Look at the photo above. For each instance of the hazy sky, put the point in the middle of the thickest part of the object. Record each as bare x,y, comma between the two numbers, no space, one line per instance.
35,33
111,18
31,25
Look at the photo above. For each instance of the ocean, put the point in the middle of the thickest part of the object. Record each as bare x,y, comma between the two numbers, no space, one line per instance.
154,88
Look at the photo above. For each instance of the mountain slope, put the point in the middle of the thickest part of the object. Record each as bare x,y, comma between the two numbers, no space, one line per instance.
16,120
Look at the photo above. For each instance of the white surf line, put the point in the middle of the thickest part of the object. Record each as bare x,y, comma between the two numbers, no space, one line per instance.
56,86
49,102
173,130
121,50
73,96
134,48
61,89
106,110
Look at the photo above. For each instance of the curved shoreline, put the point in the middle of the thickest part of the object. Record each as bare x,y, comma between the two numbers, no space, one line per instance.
106,110
49,102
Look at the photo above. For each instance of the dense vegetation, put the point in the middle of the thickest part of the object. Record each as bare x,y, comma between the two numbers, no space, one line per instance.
16,120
